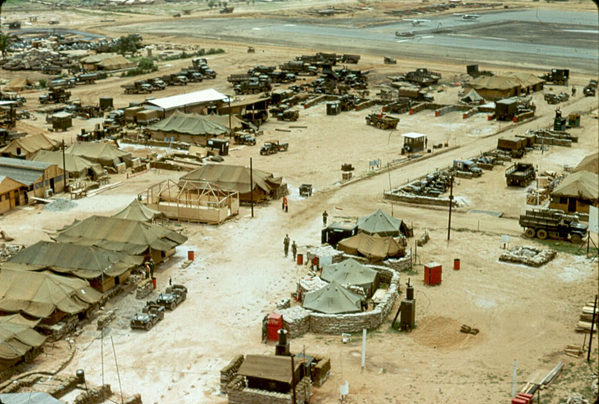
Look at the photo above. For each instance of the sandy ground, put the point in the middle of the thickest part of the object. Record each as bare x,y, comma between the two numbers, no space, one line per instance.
240,271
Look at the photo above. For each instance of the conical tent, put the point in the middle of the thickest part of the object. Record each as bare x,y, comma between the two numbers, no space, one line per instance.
374,248
138,211
381,223
333,299
472,98
351,272
103,153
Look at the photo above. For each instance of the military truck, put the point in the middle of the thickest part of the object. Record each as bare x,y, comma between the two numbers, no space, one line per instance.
56,95
172,296
552,223
399,106
413,93
138,87
260,69
157,83
467,168
245,139
192,76
381,120
252,87
200,65
557,76
349,59
90,78
272,147
520,174
239,78
151,314
389,60
227,10
287,115
175,79
299,68
515,147
282,77
590,89
422,77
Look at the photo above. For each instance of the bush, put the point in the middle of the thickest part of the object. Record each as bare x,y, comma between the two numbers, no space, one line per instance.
43,83
146,64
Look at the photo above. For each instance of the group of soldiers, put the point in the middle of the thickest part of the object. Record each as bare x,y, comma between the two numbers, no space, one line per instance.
286,241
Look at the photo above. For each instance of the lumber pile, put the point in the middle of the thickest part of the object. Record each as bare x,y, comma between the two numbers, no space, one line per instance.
586,318
573,350
541,379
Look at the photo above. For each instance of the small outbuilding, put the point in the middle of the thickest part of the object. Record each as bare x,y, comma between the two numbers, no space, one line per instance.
61,121
39,178
414,142
576,193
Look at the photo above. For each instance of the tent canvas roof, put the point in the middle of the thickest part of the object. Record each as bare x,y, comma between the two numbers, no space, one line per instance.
374,247
74,163
138,211
381,223
223,120
333,299
528,79
472,97
29,145
39,294
582,184
349,272
275,368
16,339
236,178
85,262
108,61
102,152
116,234
190,124
495,83
590,163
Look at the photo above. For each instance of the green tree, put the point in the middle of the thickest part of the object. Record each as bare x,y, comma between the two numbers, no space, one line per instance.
126,44
211,3
146,64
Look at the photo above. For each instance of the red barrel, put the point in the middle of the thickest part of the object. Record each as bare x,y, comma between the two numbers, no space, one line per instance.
190,255
154,283
456,264
315,262
300,259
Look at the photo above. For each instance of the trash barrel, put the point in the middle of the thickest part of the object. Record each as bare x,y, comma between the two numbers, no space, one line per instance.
80,373
300,259
315,263
190,255
456,264
154,283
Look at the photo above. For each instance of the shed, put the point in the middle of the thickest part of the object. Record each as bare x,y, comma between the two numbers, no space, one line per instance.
12,193
271,373
414,142
576,193
138,211
37,176
62,121
197,101
336,232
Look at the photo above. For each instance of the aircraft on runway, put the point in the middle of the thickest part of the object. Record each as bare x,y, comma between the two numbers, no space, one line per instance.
416,23
405,33
467,17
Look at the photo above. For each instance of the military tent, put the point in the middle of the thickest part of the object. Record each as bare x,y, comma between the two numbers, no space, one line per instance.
26,147
77,166
106,61
576,192
31,397
103,153
44,294
589,163
333,299
105,267
496,87
19,84
375,248
124,235
18,340
472,98
189,128
351,272
237,178
138,211
529,81
383,224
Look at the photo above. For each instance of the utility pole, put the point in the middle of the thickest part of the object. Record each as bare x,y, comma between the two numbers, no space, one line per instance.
230,111
251,187
592,329
450,206
64,167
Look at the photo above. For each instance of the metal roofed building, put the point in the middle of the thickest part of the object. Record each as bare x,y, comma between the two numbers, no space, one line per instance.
197,102
37,176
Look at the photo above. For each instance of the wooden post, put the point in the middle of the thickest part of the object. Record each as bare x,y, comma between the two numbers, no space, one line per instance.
450,207
293,379
251,187
592,329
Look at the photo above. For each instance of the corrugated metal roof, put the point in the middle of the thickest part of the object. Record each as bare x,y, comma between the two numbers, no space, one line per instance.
413,135
32,165
181,100
24,171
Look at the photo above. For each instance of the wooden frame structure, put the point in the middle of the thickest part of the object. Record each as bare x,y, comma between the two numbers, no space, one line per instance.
192,201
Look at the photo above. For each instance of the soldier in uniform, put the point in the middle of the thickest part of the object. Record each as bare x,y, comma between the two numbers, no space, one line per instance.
294,249
286,244
325,216
265,329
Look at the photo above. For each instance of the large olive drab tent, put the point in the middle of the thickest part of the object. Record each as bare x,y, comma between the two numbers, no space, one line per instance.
375,248
85,262
27,146
383,224
103,153
333,299
138,211
42,294
76,166
583,185
496,87
223,120
237,178
17,339
106,61
124,235
351,272
190,128
589,163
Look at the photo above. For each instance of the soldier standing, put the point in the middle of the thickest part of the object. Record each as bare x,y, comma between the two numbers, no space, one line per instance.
265,329
286,244
294,249
573,91
325,216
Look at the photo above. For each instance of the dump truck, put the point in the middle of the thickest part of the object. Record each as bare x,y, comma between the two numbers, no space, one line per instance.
557,76
299,68
520,174
381,120
138,87
553,223
56,95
